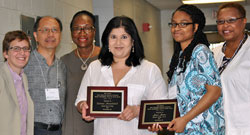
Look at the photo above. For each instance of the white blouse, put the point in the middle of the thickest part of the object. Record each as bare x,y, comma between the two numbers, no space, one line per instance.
235,80
144,82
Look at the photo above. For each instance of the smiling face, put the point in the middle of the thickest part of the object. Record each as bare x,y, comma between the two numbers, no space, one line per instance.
83,32
183,35
120,43
48,34
231,31
17,59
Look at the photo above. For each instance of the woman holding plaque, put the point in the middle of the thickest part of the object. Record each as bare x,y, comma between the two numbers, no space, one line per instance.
121,63
194,73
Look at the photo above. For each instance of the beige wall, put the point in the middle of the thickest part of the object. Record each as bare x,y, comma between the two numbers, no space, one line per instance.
10,11
141,12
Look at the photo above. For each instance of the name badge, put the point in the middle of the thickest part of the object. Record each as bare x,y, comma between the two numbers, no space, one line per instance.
52,94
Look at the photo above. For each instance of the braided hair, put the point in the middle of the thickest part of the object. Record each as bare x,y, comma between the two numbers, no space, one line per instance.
197,17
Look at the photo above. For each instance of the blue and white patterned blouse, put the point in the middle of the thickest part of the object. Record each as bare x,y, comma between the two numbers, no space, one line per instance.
201,70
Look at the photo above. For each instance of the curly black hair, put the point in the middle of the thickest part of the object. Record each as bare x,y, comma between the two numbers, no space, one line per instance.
197,17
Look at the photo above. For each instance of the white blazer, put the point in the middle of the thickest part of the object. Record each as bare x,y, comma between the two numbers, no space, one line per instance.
235,81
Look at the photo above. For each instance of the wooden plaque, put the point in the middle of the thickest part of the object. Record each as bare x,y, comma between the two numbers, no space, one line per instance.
106,101
157,111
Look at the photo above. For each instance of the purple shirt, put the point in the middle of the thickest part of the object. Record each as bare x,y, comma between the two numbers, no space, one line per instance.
21,97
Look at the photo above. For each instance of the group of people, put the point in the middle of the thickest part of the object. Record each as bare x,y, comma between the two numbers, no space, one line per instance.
42,94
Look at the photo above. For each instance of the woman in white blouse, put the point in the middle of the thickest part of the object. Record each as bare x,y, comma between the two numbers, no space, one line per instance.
121,63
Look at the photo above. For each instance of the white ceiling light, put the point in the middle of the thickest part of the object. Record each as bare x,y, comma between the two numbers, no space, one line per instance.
207,1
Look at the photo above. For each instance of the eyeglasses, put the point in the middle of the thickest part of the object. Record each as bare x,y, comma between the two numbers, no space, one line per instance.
181,25
229,21
87,29
47,30
18,49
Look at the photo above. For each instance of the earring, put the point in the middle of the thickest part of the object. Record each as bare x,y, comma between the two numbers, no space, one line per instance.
93,42
109,49
133,49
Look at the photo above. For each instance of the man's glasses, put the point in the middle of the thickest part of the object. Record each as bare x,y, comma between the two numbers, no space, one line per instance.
229,21
181,25
87,29
18,49
47,30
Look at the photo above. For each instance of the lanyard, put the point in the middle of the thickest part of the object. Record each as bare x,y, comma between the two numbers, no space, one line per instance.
225,60
44,79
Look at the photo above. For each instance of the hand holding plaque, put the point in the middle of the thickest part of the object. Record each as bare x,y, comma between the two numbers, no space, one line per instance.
106,101
129,113
157,111
83,109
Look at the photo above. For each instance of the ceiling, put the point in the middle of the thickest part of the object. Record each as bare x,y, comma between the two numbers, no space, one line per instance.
173,4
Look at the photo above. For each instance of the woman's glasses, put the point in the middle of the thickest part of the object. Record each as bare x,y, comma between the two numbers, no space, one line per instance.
229,21
181,25
18,49
86,29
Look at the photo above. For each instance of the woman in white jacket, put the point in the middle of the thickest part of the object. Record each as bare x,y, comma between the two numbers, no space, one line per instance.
233,59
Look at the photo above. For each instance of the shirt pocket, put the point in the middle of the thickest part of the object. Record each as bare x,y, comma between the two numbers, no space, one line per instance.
135,94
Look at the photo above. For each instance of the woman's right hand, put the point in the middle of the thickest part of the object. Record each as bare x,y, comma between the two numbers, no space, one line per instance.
178,124
82,107
155,128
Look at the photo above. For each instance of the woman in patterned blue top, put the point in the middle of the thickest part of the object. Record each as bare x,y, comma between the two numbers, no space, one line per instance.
194,73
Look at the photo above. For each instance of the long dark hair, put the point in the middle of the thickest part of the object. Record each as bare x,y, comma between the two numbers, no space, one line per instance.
128,24
197,17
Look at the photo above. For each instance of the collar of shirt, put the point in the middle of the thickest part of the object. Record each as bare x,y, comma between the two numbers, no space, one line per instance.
107,71
16,77
42,59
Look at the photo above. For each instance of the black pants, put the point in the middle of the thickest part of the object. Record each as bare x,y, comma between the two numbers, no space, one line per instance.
44,129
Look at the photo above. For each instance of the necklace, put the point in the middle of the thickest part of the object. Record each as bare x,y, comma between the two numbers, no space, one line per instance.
84,65
225,60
